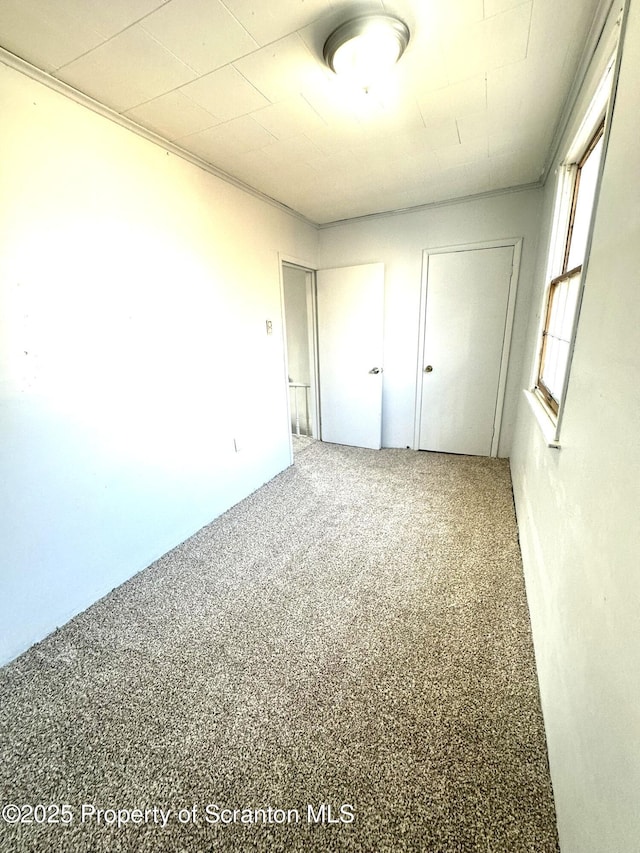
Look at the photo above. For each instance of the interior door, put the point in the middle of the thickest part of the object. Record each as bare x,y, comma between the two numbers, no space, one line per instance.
350,326
464,338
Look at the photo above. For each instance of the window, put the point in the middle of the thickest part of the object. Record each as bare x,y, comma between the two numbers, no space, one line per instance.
564,289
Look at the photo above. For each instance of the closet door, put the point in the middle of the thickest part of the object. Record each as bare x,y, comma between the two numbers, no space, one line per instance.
466,330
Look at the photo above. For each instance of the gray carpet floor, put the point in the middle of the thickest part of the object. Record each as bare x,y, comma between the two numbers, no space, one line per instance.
301,442
342,662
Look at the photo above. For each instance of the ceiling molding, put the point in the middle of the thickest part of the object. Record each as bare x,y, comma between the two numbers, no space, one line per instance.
535,185
23,67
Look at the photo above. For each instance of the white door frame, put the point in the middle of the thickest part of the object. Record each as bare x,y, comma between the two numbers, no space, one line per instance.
312,321
516,244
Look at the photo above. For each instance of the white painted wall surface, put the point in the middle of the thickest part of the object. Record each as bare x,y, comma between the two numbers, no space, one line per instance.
398,241
134,291
579,515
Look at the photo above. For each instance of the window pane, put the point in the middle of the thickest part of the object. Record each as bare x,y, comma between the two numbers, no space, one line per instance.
563,297
550,365
561,368
573,289
587,178
558,304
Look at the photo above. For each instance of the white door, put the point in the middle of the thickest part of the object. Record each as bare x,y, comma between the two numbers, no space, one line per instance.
350,324
466,329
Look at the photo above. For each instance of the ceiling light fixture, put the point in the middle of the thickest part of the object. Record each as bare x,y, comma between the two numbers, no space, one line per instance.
364,49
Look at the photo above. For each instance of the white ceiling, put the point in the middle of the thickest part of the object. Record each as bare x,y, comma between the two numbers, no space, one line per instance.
471,107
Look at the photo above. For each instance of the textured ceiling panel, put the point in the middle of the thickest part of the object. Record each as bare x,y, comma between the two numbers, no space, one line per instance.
290,117
109,17
173,115
127,70
202,33
44,36
269,21
283,68
225,93
235,136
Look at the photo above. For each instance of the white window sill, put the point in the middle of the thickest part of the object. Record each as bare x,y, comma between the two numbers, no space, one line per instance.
547,426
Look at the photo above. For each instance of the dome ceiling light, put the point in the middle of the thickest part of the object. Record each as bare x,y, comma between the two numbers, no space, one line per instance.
366,48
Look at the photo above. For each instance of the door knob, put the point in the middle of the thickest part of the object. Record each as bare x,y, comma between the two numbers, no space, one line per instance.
376,370
428,369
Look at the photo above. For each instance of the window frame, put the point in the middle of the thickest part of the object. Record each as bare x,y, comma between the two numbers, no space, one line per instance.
541,387
570,187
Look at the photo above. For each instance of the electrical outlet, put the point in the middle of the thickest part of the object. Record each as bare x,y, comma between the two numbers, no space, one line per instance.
269,327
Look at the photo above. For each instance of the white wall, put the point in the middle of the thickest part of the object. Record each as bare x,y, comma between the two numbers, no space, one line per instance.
398,241
134,290
579,515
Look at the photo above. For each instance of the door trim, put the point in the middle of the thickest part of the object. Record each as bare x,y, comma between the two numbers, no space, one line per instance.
516,244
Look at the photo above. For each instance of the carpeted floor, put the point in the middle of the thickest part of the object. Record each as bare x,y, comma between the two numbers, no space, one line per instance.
301,442
354,634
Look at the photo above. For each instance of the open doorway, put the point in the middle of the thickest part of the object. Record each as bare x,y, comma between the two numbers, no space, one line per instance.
302,360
